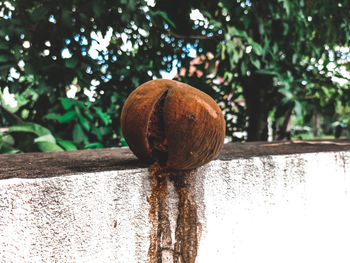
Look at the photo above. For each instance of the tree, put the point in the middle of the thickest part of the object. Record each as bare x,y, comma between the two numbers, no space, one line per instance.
45,48
260,59
272,50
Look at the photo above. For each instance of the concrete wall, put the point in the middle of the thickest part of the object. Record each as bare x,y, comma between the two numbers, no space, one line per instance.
268,208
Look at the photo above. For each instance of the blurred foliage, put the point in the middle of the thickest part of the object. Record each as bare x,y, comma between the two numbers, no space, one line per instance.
259,60
281,57
34,35
27,137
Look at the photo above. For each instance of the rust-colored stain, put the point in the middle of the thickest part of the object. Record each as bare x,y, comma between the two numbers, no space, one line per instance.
162,248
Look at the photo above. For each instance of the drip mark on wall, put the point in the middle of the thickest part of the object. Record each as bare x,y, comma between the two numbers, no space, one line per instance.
187,230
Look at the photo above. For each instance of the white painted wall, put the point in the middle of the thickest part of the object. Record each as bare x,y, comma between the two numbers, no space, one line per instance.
286,208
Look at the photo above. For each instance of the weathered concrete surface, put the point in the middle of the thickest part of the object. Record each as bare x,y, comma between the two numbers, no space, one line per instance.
266,204
65,163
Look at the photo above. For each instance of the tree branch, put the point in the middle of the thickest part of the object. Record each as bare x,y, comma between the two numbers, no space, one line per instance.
11,115
195,37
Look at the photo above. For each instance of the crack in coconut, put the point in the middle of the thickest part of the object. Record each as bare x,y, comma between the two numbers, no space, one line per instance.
156,136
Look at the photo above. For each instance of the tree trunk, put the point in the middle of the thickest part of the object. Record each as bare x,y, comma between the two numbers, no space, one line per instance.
316,127
284,131
259,93
284,111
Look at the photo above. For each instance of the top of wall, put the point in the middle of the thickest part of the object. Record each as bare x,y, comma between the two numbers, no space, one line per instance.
34,165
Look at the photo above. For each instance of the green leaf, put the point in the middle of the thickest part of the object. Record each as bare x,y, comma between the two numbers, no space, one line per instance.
4,58
4,45
288,95
166,18
29,71
243,68
67,103
285,29
233,31
135,81
275,48
49,147
255,62
39,12
246,22
8,139
228,76
71,62
67,117
206,14
84,18
80,104
78,133
266,72
6,149
30,127
95,145
115,98
97,132
257,48
67,145
223,49
52,116
131,5
295,58
125,17
104,116
286,6
84,122
89,115
100,132
45,138
97,9
122,139
298,109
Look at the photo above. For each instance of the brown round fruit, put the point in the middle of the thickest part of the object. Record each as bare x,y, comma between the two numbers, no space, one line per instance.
172,123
